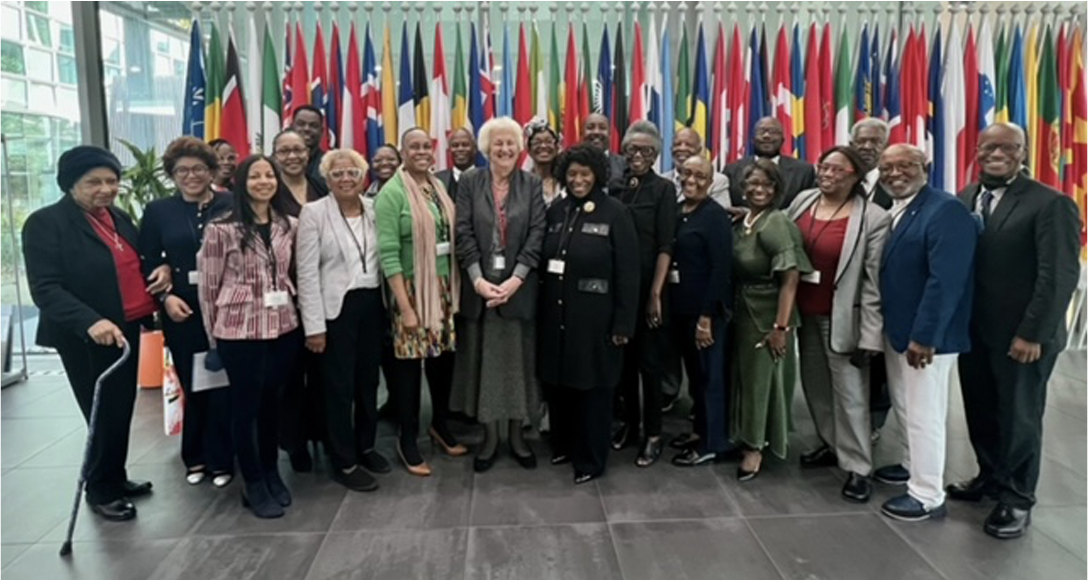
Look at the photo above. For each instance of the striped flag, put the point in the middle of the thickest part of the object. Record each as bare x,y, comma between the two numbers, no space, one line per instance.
389,112
1077,174
253,86
876,92
335,83
1031,86
300,75
827,91
233,123
557,85
797,96
813,110
668,110
602,87
353,127
440,107
1017,89
319,80
271,99
213,100
585,83
721,101
475,94
620,95
487,75
639,106
538,93
571,129
193,116
954,113
1001,77
373,105
966,158
757,108
781,99
420,94
863,81
700,95
935,129
893,104
842,91
683,84
1048,160
288,76
504,93
523,92
406,107
986,78
654,80
460,94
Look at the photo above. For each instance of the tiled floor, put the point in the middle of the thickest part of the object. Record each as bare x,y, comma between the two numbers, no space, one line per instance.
658,523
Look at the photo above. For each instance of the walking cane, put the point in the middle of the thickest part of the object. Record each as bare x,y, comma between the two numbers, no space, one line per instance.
66,549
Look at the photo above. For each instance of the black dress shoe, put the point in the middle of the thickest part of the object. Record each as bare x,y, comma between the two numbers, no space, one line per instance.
1007,522
375,462
580,478
559,459
822,457
525,461
693,456
857,488
481,464
621,437
973,489
117,510
684,441
137,488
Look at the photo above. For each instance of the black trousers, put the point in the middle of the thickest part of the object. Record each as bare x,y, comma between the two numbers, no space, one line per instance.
581,422
1004,402
84,361
880,400
707,380
257,370
205,438
647,357
302,412
349,374
406,391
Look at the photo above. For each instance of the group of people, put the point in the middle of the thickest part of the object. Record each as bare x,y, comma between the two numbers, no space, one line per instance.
587,282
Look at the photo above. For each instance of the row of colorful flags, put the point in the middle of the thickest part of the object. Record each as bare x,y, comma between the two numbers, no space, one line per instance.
935,92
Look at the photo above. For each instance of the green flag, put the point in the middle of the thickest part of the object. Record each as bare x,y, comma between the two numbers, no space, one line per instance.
585,84
213,99
1048,163
843,92
555,100
538,103
460,94
271,99
683,83
1001,91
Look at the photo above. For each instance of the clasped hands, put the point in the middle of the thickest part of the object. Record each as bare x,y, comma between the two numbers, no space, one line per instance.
497,294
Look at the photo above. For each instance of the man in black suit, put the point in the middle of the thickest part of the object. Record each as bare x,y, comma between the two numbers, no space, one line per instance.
870,137
797,175
598,132
1027,268
463,152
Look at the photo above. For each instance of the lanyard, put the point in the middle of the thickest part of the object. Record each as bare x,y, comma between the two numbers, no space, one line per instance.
362,233
269,246
442,230
827,224
500,214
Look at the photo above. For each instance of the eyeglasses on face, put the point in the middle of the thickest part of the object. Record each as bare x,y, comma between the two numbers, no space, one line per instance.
353,173
902,167
195,171
643,150
290,151
834,170
1006,148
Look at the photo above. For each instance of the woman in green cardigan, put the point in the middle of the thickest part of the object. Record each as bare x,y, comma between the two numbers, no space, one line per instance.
415,219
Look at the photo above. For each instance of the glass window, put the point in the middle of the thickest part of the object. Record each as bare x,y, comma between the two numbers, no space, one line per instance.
163,67
37,28
66,69
14,93
10,24
11,58
39,65
61,12
68,103
42,7
41,98
111,51
111,24
66,39
160,42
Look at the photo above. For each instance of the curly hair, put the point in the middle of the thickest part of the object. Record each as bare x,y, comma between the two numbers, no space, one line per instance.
770,169
586,155
189,147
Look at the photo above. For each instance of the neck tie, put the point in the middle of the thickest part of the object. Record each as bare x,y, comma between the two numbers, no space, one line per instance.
987,203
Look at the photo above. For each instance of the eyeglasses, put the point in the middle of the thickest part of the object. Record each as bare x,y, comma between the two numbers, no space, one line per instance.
834,170
289,151
643,150
1006,148
354,173
904,167
195,171
759,184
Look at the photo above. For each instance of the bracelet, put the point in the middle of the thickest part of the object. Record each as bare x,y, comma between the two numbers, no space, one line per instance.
782,328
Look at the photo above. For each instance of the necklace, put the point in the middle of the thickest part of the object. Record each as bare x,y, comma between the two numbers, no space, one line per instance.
751,223
101,226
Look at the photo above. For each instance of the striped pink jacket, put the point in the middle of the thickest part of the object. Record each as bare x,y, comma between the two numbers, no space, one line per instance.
233,283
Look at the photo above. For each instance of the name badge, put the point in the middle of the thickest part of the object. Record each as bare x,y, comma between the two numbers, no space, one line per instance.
811,278
674,276
442,248
556,266
194,277
498,263
276,298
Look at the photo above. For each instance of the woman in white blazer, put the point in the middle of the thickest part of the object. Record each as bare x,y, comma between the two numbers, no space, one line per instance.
339,292
839,302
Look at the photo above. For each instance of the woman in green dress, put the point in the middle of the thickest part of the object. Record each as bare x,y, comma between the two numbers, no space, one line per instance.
768,262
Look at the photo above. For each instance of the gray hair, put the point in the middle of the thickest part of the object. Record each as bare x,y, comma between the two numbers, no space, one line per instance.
870,123
496,126
643,128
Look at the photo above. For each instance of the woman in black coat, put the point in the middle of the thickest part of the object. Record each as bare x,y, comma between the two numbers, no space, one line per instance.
588,306
171,232
84,274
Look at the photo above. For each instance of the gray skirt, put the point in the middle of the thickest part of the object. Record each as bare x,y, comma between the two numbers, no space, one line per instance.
494,377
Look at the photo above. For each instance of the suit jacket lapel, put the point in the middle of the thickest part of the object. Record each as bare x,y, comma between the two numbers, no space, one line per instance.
906,220
853,233
336,223
1007,205
125,227
79,218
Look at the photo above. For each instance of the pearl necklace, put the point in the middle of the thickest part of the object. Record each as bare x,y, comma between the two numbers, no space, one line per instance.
749,224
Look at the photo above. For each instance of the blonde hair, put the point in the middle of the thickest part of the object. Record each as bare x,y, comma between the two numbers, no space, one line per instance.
337,154
499,125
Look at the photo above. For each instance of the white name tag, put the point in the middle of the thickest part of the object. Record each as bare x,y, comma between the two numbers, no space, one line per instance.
674,276
194,277
556,266
811,278
498,263
276,298
442,248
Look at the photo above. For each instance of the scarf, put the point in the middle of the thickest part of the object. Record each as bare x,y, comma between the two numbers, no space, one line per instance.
428,294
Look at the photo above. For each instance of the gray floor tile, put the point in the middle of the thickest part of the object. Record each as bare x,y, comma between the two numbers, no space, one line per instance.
9,552
90,560
783,487
827,547
564,552
25,438
56,402
1063,440
1064,525
663,491
20,395
392,555
36,501
271,557
723,549
510,495
1059,485
959,548
316,499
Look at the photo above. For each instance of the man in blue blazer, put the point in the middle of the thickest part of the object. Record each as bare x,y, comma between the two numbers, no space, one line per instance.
925,286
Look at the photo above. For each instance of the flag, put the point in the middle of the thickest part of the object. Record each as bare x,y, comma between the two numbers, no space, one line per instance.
619,92
488,84
721,102
300,75
652,98
440,108
319,81
334,100
373,106
781,98
876,92
813,93
1001,78
571,129
1048,160
420,96
1064,115
353,124
252,86
602,87
668,111
757,89
504,93
1031,92
193,117
893,99
986,79
842,91
523,92
1077,175
954,144
557,85
233,124
639,106
683,84
907,90
827,91
213,100
538,94
406,107
863,81
700,95
585,82
460,101
288,76
1016,95
935,129
475,93
735,146
965,159
390,112
271,99
797,96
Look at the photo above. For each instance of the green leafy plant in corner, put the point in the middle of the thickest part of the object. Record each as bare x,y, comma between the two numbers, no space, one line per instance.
143,182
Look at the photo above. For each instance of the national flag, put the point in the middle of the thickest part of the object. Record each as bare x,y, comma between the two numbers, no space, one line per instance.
719,114
252,86
954,114
876,92
797,96
827,91
813,110
300,75
406,106
571,129
620,95
585,82
440,107
842,91
271,99
523,92
652,96
700,95
602,87
738,74
893,99
765,74
557,85
390,112
1048,160
193,116
668,109
1001,78
863,81
1065,117
233,124
335,98
1017,89
891,58
1031,85
488,84
420,96
504,92
908,92
756,90
353,98
683,84
476,97
1077,173
538,95
935,129
986,79
965,159
213,102
781,98
373,106
319,81
460,95
639,106
288,77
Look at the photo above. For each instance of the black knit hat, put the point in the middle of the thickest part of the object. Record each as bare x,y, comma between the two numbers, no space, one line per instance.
77,161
